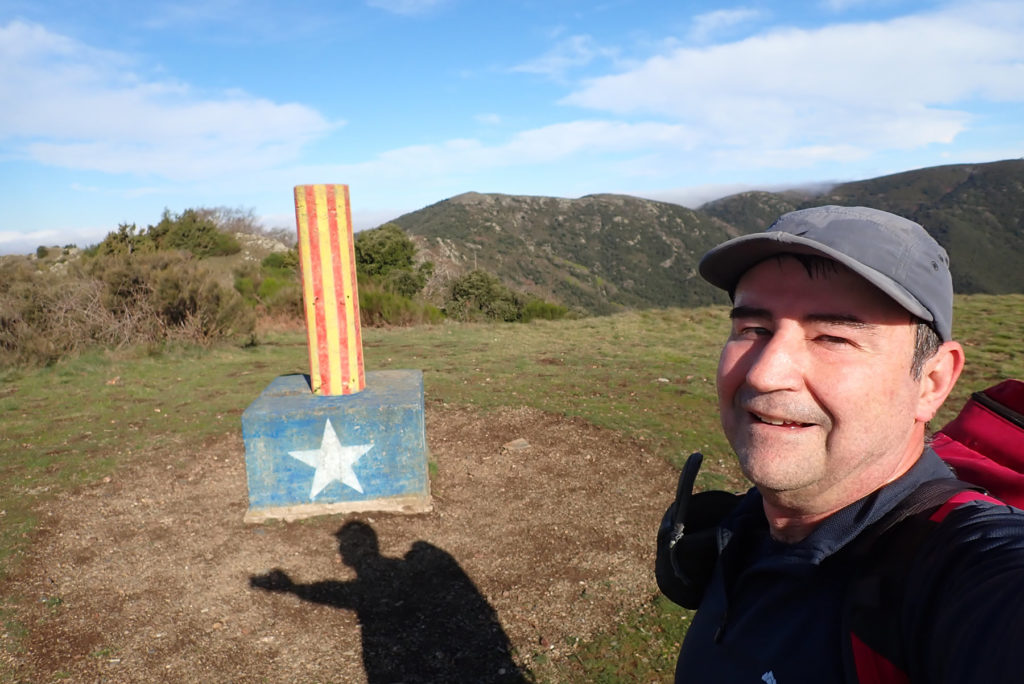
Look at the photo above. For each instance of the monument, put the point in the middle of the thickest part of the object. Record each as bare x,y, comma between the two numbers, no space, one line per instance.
340,439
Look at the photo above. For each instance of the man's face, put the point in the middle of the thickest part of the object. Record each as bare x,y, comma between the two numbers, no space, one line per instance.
814,384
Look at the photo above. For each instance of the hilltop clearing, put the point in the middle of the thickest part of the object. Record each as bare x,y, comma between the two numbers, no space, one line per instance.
144,576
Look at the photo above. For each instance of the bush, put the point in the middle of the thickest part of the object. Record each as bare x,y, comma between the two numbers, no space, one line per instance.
45,319
274,287
127,239
282,261
381,250
380,307
172,296
388,279
282,297
480,295
191,232
405,283
536,308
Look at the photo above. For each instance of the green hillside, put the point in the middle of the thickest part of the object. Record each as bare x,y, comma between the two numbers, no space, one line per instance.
604,253
976,211
600,253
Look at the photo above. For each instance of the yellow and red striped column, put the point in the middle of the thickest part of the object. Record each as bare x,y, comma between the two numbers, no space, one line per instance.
329,289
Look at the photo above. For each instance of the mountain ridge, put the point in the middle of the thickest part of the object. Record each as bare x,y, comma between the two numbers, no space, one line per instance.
606,252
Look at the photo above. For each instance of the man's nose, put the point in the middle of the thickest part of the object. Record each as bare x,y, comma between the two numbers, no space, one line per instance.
778,363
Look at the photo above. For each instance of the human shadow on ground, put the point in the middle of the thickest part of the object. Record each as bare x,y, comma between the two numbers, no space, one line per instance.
422,618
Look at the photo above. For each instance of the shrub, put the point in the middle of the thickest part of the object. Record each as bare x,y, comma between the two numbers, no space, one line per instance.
381,250
380,307
282,261
127,239
536,308
273,287
181,296
388,279
43,318
281,297
191,232
405,283
480,295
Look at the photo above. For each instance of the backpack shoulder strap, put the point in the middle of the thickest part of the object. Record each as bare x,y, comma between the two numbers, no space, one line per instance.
880,559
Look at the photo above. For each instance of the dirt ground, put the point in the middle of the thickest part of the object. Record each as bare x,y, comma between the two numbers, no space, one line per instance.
150,575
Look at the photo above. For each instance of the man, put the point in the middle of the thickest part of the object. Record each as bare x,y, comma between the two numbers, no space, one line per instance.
840,352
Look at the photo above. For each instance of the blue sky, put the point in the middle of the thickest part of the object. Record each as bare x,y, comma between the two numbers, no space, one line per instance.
112,111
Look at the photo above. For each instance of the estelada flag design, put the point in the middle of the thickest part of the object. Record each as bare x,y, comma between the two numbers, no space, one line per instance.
329,289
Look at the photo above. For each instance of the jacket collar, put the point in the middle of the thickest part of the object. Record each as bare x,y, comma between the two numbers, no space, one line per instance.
844,525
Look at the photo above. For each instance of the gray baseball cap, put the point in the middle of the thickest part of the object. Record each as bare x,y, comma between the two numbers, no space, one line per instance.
894,254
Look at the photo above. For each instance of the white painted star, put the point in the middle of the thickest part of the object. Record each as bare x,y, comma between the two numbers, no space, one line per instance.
332,461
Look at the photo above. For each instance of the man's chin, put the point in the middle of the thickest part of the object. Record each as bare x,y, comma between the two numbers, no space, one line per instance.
770,474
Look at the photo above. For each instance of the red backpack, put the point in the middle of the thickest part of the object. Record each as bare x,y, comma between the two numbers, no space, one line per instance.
984,443
985,446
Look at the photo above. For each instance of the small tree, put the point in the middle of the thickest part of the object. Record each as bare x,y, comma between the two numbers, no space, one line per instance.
127,239
192,232
382,250
386,255
478,293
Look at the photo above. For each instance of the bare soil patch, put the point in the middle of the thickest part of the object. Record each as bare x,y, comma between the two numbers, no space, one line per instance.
151,575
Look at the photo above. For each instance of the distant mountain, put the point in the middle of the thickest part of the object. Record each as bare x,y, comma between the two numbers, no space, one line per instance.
599,253
976,211
754,211
602,253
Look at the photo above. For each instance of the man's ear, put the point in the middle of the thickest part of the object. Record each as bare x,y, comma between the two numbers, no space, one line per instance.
938,377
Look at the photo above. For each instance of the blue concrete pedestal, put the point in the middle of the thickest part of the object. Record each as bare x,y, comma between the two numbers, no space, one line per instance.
308,455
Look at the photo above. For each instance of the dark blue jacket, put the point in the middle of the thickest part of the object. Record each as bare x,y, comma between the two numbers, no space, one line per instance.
773,612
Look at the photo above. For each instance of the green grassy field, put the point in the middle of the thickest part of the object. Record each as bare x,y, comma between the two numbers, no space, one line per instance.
649,374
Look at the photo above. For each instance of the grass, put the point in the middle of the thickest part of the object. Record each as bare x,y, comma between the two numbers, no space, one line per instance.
643,647
649,374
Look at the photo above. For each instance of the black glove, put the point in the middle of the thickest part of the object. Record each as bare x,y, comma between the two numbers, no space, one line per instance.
688,538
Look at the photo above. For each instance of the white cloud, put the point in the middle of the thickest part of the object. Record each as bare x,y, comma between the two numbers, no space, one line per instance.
710,24
569,53
72,106
12,242
545,145
796,93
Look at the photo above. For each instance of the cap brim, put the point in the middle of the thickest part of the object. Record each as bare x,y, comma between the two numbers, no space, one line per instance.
725,264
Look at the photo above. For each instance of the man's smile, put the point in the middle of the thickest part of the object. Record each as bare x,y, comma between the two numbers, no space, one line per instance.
778,422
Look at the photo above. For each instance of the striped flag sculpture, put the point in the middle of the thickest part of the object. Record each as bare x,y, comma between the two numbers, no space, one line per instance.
338,440
329,289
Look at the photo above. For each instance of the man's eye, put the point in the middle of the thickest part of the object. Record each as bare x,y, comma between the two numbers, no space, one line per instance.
833,339
752,331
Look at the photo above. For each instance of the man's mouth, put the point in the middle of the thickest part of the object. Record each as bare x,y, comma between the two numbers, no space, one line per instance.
778,422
